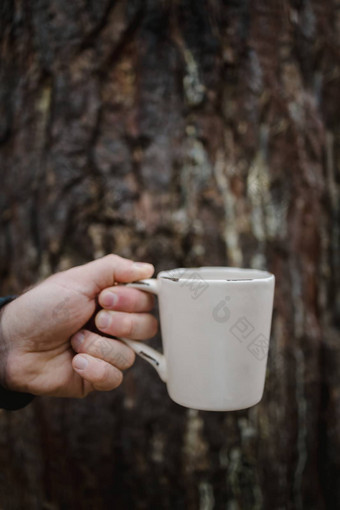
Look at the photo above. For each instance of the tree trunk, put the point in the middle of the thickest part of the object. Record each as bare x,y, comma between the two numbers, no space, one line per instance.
184,133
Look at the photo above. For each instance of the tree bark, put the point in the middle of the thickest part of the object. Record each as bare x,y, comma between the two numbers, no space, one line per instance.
184,133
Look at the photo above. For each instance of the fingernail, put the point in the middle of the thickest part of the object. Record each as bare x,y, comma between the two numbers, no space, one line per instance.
80,363
142,266
78,338
103,320
109,299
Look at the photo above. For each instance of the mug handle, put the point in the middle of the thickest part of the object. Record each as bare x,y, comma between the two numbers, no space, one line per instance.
155,358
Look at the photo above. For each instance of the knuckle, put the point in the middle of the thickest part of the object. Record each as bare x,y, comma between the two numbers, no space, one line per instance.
110,377
112,257
115,378
135,301
131,358
126,358
103,376
106,373
92,343
118,378
128,326
104,347
116,259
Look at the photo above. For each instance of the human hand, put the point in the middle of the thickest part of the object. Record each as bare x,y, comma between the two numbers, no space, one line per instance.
42,329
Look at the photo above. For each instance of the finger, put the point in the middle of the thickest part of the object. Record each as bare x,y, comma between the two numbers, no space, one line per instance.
102,375
104,272
126,299
108,349
137,326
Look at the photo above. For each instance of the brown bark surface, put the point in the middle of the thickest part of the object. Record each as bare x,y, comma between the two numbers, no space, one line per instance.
184,133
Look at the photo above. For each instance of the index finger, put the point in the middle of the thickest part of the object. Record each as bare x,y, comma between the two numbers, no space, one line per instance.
126,299
104,272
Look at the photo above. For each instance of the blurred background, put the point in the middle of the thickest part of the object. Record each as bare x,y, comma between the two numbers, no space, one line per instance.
183,133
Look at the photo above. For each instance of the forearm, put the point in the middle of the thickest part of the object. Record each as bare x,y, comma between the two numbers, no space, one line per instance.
10,400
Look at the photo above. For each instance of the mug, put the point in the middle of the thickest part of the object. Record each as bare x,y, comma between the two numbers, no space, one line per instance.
215,325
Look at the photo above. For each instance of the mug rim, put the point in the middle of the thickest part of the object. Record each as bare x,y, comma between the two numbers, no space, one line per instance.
259,274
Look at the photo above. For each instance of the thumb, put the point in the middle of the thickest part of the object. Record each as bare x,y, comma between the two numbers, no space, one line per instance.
104,272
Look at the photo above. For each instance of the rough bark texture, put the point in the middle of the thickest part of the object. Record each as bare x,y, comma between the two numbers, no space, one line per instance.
184,132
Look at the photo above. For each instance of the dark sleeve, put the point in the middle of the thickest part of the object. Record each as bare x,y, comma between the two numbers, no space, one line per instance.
12,400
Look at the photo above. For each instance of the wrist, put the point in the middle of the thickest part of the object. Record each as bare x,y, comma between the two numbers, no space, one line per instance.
4,346
9,400
11,366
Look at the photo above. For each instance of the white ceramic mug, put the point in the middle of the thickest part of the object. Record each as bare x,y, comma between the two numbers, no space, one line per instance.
215,324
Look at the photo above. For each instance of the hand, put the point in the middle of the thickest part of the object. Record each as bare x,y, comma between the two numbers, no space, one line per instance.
42,329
